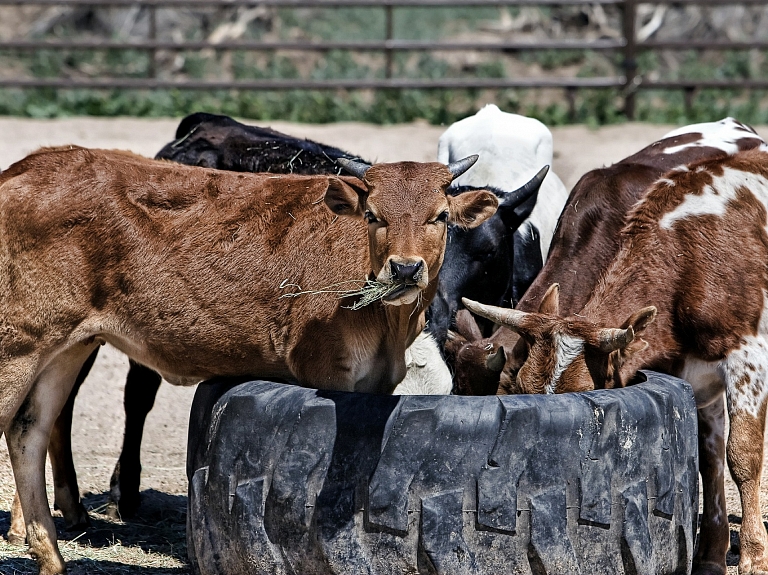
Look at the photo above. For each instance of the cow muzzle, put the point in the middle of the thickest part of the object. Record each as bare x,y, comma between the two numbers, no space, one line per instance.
408,275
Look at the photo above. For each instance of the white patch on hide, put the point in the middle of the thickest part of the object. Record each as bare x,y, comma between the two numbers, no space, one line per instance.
722,135
750,361
426,372
715,197
567,349
706,379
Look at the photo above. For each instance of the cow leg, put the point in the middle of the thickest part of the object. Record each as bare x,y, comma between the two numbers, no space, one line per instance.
67,493
16,379
66,490
714,533
141,387
17,532
28,437
746,373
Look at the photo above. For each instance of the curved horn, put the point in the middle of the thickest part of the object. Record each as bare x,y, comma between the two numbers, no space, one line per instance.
611,339
357,169
513,199
495,361
508,317
460,166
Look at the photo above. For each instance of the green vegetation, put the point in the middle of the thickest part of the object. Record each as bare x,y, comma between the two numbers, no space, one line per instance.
594,107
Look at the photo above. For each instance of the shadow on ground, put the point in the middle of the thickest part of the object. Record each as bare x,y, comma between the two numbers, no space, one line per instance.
155,535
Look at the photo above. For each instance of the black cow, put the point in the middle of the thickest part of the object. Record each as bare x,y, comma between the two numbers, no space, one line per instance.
213,141
498,260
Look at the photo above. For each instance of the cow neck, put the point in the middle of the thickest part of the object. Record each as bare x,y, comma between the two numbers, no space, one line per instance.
406,321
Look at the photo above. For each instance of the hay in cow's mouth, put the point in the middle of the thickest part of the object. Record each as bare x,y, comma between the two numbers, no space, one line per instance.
371,291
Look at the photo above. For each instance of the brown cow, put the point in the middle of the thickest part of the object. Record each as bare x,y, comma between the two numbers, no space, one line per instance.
690,278
586,240
181,268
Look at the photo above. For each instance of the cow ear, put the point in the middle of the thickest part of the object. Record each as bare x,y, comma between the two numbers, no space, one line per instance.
470,209
344,199
639,320
550,303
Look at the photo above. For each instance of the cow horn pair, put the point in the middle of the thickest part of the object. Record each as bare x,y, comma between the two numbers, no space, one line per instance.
358,169
608,339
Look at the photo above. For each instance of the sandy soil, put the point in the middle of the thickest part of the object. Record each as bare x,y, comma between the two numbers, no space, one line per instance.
98,424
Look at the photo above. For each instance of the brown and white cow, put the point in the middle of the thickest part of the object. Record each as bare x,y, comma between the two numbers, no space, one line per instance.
585,241
686,294
181,268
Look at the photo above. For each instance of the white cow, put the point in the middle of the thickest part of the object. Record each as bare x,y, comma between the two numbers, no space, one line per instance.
512,148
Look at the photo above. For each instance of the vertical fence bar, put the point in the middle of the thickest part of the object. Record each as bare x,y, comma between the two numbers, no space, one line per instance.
152,70
630,57
570,96
689,94
388,24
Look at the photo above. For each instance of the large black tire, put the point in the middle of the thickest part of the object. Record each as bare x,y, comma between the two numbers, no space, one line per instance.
287,480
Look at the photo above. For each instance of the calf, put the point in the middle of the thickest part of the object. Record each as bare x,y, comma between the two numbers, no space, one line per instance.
586,240
690,278
219,142
496,262
181,268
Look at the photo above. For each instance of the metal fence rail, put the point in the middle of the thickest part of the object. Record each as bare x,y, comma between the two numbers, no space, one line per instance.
626,79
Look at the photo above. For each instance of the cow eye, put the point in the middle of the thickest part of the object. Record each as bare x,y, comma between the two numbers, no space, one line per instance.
370,218
443,217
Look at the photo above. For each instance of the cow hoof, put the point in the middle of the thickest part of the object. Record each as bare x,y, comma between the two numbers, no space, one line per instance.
78,520
708,569
124,497
748,567
123,508
113,512
17,539
53,567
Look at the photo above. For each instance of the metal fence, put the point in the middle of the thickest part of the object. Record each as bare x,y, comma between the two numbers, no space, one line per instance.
626,78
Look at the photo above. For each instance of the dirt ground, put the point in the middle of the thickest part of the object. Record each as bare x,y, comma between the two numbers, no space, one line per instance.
154,543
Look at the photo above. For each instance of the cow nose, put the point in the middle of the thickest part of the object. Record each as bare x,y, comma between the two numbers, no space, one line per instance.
406,273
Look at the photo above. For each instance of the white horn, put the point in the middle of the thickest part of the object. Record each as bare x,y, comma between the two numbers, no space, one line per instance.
611,339
503,316
357,169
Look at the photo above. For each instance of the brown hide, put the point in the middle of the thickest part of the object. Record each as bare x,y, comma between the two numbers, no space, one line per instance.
108,245
184,270
685,294
587,238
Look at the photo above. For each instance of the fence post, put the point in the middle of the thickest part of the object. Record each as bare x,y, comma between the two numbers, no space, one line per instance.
689,93
152,70
388,33
630,57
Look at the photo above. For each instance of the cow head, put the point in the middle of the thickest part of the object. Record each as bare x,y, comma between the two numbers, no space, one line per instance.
479,261
407,212
567,354
477,362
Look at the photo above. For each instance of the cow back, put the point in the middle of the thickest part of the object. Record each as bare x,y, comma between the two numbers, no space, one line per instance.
220,142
